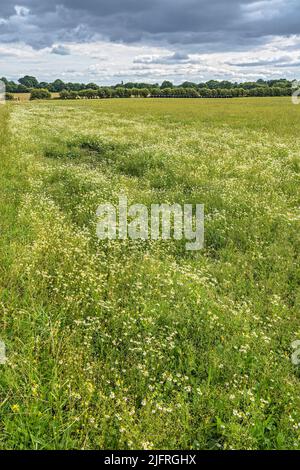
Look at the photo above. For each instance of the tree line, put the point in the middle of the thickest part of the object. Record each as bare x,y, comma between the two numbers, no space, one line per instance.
210,89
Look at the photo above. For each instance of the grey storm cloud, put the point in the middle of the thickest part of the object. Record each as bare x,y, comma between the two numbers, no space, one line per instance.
176,58
60,50
292,64
284,61
206,24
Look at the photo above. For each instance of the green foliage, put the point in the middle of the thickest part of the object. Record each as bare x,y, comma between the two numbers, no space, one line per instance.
9,96
40,94
57,86
166,84
29,82
210,89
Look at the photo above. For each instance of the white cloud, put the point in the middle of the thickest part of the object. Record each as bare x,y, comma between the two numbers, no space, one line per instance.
155,39
60,49
105,62
22,11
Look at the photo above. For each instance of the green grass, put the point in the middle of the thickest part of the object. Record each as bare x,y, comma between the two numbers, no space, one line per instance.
142,345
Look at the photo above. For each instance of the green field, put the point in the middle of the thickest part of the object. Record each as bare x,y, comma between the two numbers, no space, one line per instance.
142,345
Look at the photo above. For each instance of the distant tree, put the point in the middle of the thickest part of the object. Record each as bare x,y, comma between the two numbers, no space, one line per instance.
101,93
189,85
237,92
43,85
191,93
73,94
127,93
166,84
11,87
135,92
126,85
156,92
120,92
144,92
249,85
40,94
113,93
105,92
22,89
140,85
277,91
57,86
206,93
65,95
168,92
74,86
89,94
210,89
29,82
225,84
9,97
212,84
92,86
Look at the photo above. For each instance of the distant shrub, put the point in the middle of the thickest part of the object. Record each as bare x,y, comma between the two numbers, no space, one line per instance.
40,94
9,97
68,95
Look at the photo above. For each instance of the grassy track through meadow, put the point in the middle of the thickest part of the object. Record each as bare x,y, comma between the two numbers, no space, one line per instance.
126,345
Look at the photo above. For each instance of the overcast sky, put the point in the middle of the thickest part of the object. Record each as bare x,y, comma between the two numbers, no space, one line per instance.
106,41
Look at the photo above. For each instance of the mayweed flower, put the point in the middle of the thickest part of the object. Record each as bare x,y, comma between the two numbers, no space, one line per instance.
15,408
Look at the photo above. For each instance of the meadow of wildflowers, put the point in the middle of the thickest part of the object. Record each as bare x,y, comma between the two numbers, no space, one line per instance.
141,344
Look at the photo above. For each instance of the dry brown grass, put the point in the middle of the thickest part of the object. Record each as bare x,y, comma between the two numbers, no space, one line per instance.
26,96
